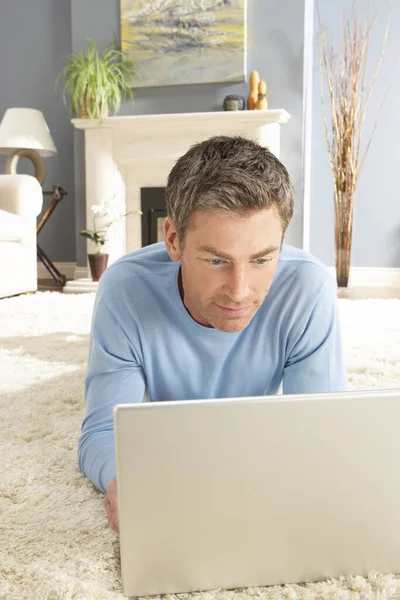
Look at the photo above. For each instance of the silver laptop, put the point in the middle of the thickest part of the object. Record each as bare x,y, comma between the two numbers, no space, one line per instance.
259,491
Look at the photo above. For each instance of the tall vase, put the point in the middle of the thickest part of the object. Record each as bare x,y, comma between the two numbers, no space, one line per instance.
344,202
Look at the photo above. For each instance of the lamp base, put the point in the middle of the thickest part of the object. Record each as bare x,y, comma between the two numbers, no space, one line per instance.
13,158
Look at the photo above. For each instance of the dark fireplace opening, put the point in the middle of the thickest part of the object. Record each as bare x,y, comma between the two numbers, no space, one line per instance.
152,201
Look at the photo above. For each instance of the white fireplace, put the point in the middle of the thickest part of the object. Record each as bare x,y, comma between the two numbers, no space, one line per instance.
125,154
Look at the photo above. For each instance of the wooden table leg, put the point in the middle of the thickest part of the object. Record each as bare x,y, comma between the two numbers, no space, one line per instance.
54,272
58,194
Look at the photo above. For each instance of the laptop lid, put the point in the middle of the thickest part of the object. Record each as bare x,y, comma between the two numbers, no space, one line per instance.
259,491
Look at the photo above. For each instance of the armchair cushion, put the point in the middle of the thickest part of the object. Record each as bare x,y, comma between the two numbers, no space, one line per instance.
21,201
11,227
21,195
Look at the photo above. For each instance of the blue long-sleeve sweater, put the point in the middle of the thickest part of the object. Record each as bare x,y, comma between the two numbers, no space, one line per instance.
143,338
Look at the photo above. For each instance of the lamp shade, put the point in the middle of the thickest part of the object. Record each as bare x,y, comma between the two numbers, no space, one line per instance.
25,128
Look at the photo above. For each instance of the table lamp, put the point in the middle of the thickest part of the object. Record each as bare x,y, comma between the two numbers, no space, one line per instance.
24,132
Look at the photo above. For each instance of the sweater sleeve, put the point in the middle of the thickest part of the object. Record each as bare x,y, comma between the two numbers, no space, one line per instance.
114,376
315,359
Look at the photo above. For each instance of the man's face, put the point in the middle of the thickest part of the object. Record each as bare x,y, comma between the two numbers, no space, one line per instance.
227,265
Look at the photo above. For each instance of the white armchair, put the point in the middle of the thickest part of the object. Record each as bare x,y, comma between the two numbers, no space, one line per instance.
21,201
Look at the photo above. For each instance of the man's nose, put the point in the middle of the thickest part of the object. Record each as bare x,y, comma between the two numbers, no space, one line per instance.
238,284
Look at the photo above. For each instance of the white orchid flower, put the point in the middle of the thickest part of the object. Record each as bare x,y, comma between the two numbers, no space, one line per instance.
97,209
112,212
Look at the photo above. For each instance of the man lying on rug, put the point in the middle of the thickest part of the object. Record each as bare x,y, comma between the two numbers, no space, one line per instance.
221,309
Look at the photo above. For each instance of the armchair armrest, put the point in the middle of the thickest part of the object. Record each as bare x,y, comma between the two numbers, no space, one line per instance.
21,195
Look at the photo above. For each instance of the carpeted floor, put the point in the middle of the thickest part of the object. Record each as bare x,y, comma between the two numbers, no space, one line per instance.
55,540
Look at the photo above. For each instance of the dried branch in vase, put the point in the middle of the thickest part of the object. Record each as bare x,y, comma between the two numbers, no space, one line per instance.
344,77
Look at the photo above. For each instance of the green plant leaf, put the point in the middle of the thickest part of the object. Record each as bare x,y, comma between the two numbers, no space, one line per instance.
97,82
87,234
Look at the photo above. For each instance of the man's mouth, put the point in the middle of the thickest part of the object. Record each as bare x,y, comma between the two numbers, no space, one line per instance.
235,312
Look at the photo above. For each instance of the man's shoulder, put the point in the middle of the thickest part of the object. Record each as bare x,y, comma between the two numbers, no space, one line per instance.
303,271
135,269
301,283
290,255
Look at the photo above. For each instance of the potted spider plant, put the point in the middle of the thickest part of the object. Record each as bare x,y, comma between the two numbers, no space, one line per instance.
94,82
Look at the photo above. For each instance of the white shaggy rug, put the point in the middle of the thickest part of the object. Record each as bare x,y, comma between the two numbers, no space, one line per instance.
55,540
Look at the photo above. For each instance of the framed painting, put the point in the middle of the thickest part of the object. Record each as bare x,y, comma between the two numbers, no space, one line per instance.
182,42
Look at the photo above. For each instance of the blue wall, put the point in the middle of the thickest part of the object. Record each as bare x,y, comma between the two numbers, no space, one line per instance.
33,38
32,50
275,49
51,29
376,234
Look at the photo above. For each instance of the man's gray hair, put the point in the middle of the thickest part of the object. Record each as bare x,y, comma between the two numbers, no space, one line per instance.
227,174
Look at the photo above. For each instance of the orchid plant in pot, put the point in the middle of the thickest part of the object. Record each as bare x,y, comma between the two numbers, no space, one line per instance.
104,216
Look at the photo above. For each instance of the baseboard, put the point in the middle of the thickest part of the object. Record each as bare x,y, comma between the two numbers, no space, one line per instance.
372,277
81,273
69,269
65,268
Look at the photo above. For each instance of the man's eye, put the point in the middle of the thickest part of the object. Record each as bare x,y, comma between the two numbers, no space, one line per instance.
262,261
216,262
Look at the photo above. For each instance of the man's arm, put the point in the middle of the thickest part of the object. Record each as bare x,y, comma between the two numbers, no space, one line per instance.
315,358
114,376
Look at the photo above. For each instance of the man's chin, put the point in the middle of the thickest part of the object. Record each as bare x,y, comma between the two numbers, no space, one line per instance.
232,325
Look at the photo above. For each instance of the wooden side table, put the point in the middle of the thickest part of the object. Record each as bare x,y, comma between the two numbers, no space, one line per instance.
58,194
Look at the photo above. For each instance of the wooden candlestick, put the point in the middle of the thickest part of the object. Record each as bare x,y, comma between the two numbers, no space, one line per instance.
252,98
261,103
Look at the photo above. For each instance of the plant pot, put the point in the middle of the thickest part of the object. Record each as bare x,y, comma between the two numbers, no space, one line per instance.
102,111
98,264
102,114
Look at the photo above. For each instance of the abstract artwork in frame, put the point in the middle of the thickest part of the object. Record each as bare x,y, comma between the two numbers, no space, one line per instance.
181,42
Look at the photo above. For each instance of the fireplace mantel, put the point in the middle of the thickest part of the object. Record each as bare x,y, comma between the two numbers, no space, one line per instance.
253,117
125,153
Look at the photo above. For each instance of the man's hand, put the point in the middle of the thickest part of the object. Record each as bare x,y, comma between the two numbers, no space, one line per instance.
111,504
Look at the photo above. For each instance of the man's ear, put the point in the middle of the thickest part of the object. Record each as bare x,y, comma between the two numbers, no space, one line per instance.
171,240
